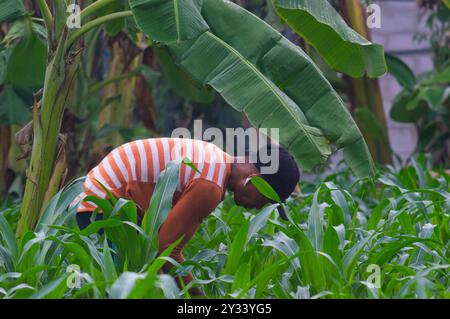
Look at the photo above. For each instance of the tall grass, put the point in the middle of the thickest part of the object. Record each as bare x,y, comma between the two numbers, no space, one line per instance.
386,237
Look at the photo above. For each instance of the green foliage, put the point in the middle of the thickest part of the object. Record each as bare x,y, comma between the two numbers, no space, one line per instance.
323,27
258,72
424,103
399,221
49,262
169,21
371,124
161,203
265,188
342,225
200,46
114,27
13,107
26,41
181,83
401,71
10,10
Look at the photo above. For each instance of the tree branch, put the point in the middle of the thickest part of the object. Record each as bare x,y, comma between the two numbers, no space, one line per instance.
95,23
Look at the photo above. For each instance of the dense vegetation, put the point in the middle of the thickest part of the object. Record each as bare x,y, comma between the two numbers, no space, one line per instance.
141,68
341,229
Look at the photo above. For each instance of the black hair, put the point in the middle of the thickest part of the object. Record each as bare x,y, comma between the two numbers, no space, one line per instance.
286,178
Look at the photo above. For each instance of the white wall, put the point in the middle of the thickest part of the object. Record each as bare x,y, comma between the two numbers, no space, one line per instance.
398,25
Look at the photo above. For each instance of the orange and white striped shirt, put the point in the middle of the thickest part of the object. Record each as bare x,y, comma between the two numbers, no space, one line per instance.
132,170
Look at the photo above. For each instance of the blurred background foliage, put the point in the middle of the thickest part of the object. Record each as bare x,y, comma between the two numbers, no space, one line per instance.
125,90
128,88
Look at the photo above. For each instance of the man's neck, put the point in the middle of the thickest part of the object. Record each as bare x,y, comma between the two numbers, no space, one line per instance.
234,176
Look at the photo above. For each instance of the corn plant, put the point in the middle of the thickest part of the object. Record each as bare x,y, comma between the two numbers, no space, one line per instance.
346,238
394,228
105,256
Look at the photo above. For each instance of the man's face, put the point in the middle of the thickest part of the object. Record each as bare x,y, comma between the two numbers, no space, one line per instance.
247,195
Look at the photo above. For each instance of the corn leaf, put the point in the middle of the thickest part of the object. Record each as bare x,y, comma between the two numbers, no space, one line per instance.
264,188
235,250
315,228
8,236
161,201
53,290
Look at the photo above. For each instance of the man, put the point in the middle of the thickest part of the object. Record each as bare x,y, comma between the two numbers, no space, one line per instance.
132,170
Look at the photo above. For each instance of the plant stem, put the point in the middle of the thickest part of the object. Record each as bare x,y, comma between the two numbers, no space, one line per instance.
94,7
57,176
46,14
95,23
118,78
46,125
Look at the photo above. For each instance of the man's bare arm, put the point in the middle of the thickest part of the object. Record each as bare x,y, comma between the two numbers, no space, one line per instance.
197,201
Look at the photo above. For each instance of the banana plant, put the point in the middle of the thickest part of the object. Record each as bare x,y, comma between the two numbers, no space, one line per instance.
259,72
216,45
62,63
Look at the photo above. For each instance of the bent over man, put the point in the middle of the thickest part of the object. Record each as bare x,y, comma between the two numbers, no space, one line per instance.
132,170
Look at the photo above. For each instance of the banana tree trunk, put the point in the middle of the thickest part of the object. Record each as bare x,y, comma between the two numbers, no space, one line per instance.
63,60
47,119
59,171
365,92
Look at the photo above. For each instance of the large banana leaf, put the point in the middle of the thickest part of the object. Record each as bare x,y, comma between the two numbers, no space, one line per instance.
168,21
212,61
11,9
259,72
341,47
295,73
